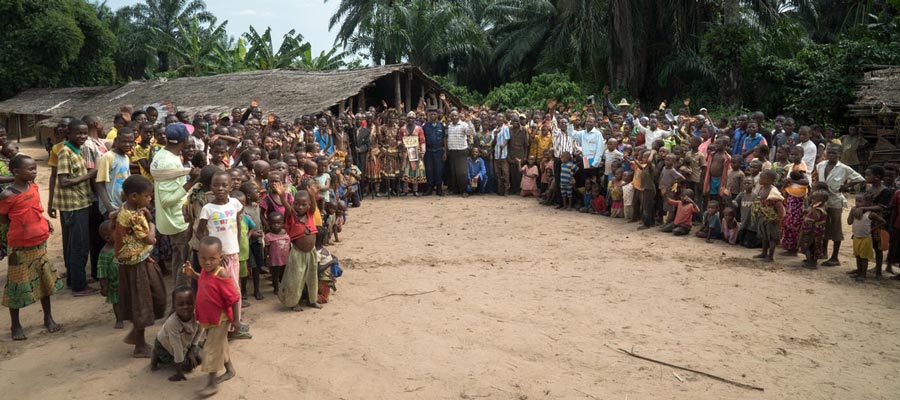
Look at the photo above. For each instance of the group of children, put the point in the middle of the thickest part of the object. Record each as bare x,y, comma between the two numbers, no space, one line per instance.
249,215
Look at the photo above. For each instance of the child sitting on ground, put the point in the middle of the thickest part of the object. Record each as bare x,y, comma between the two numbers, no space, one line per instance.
176,342
217,308
529,178
142,291
730,225
712,224
684,213
108,272
278,247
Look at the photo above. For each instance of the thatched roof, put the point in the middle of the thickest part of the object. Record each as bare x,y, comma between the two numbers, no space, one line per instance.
878,92
288,93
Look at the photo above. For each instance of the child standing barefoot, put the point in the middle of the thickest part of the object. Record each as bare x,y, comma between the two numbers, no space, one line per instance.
220,218
142,292
301,270
863,247
812,231
567,170
108,272
218,309
616,195
768,210
31,276
529,178
278,246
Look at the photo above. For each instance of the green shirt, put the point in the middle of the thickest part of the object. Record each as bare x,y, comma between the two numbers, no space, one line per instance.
169,196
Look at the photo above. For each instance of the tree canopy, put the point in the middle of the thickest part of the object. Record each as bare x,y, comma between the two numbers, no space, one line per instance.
795,56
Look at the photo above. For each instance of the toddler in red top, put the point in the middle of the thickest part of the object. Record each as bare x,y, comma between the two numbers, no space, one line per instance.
217,309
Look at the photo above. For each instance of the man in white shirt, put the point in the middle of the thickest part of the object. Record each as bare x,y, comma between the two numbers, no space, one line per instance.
651,134
837,176
809,148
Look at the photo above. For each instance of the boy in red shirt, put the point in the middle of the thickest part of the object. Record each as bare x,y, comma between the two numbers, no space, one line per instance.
217,310
684,213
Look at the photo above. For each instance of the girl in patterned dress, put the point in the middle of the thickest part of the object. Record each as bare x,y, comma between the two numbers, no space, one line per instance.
31,276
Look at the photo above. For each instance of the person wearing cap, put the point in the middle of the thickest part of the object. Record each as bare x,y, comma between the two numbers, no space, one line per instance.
224,119
172,183
517,151
435,147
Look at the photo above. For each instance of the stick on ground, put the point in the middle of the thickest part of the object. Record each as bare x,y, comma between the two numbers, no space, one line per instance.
403,294
706,374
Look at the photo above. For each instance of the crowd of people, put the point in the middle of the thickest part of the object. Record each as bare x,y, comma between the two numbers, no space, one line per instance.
218,202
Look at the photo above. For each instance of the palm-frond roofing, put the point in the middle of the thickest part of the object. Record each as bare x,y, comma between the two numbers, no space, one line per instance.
288,93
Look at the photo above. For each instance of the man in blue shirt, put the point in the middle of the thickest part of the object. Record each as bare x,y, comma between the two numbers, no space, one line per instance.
739,135
324,137
434,154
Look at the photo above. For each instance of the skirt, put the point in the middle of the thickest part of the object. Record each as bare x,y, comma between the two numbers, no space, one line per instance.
414,172
390,164
793,218
31,276
301,271
373,168
142,293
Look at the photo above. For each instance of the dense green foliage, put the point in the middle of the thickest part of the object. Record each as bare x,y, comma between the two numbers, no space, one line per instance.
800,57
53,43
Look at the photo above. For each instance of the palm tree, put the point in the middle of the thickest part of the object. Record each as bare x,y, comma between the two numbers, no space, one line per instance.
261,53
196,47
231,55
165,18
333,59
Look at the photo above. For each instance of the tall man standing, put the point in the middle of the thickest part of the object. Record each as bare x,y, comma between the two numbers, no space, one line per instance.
457,143
170,191
518,152
435,138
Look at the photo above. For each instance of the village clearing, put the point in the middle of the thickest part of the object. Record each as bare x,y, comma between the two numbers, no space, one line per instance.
487,297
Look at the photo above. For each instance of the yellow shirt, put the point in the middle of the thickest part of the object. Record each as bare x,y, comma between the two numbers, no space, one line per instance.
141,153
111,135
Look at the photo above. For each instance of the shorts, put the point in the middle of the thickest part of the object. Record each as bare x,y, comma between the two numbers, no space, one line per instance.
565,190
862,248
714,185
834,230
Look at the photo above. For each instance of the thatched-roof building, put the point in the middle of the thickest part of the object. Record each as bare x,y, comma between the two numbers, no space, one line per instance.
286,92
876,113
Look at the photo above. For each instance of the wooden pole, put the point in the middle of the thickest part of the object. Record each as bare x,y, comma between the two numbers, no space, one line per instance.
341,108
397,99
409,100
361,101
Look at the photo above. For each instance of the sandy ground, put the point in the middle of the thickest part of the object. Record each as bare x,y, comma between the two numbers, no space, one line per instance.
512,301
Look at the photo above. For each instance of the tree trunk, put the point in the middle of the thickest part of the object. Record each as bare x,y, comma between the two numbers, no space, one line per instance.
163,60
628,58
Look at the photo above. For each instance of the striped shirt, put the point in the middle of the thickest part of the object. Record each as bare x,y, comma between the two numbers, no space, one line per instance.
567,174
561,140
458,134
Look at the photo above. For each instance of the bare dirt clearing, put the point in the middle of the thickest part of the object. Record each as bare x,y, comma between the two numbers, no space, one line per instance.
502,298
